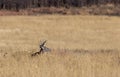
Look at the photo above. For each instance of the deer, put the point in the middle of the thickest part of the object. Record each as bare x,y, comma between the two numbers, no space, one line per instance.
43,49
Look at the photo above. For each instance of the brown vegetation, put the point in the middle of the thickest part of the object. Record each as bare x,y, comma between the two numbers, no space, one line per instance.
82,46
108,9
96,7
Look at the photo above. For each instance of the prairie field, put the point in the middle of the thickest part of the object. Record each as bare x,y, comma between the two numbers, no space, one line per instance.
81,46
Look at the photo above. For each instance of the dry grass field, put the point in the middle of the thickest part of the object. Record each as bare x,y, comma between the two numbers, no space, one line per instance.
82,46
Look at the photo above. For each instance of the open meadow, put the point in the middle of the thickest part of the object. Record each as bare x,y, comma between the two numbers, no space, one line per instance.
81,46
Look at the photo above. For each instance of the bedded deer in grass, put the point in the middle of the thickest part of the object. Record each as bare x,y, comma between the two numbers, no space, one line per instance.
43,49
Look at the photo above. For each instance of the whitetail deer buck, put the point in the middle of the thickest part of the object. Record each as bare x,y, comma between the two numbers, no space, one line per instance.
43,49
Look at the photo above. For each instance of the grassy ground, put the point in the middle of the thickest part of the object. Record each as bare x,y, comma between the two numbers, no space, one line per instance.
82,46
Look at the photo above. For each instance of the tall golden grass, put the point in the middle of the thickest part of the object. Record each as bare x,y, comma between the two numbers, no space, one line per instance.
82,46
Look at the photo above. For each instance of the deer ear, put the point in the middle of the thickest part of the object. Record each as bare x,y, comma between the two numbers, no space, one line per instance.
43,41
